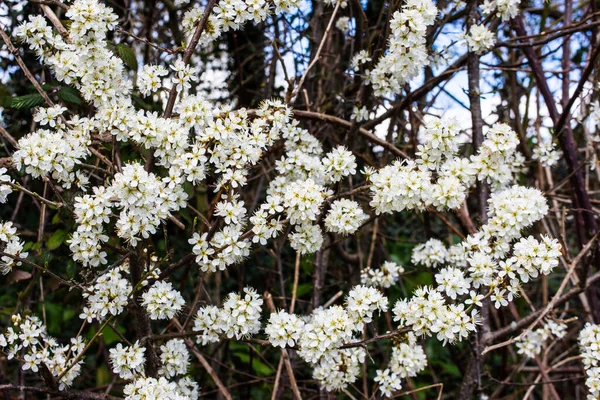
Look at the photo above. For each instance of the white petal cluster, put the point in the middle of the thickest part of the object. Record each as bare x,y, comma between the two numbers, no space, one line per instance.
407,360
338,164
29,339
162,301
284,329
128,362
206,323
480,39
384,277
453,282
440,141
144,201
362,302
507,9
302,201
12,245
5,190
589,344
400,186
340,368
306,238
54,153
239,317
149,79
360,58
145,388
407,54
345,217
432,253
343,24
107,296
530,344
326,330
91,212
427,312
547,154
514,209
498,156
360,114
174,357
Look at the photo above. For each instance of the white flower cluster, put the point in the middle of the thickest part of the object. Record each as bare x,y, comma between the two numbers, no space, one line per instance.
589,344
360,58
498,157
386,276
480,39
5,189
284,329
175,358
149,79
55,153
345,217
108,295
360,114
340,368
239,317
530,344
161,389
428,312
430,254
409,184
12,246
507,9
343,24
407,54
547,154
326,330
144,200
453,282
362,302
162,301
91,212
128,362
30,340
231,15
407,360
512,210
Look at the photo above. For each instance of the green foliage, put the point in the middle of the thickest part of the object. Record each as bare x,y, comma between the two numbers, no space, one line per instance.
69,95
126,54
57,239
27,101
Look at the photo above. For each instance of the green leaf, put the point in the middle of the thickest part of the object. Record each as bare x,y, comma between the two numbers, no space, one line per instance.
71,269
127,54
102,375
26,101
5,99
57,239
258,366
110,336
67,93
303,289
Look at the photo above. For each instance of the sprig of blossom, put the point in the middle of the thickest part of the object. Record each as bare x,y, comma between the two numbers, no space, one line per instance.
386,276
547,154
12,245
108,295
589,344
345,217
162,301
128,362
480,39
407,54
